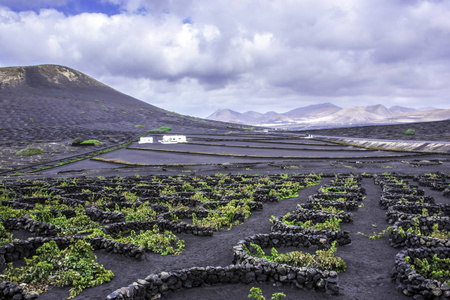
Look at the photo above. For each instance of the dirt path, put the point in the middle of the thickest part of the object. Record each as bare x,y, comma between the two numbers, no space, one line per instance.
369,262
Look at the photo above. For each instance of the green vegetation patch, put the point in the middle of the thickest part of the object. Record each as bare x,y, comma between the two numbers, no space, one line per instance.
74,266
152,240
409,132
162,129
95,142
5,236
322,259
256,293
29,151
435,268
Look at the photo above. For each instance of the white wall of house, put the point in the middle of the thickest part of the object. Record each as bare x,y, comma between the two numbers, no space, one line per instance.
173,139
146,140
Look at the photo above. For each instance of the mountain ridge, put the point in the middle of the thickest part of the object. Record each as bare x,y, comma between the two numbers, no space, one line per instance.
328,114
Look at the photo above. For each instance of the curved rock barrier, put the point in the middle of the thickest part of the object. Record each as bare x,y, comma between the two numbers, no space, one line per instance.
11,291
400,237
342,237
247,269
177,227
344,205
318,216
387,200
158,285
30,225
411,283
416,210
278,240
17,250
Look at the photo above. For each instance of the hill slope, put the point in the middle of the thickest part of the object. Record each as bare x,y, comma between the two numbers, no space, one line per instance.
313,111
51,102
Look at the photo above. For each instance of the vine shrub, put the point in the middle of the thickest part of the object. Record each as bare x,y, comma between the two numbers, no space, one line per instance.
332,224
322,259
5,236
141,213
329,209
222,216
435,233
7,212
29,151
74,266
437,268
68,226
162,243
256,293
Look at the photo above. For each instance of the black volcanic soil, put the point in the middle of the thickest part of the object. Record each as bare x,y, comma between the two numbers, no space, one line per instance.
48,113
369,262
41,107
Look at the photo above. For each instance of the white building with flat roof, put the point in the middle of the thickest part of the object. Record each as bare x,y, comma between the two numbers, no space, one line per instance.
146,140
173,139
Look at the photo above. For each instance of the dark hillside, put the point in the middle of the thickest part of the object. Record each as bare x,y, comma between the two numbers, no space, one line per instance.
48,106
52,102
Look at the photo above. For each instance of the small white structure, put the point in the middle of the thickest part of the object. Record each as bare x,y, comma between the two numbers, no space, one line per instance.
173,139
146,140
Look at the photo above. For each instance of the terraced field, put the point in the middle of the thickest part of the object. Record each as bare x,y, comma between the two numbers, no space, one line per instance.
214,225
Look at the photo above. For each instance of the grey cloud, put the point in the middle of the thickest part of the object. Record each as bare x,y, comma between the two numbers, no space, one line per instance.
248,53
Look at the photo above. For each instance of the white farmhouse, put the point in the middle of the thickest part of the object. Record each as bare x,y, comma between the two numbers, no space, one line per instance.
146,140
173,139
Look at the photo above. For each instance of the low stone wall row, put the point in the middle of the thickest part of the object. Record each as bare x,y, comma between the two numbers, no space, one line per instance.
175,201
17,250
434,184
446,192
83,197
344,205
104,217
341,187
254,205
411,283
16,205
9,290
400,238
95,214
318,216
278,240
175,227
159,208
414,210
333,196
155,286
404,191
378,178
30,225
387,200
342,237
200,213
395,185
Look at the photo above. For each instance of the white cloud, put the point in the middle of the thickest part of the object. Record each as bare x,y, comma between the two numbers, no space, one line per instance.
247,54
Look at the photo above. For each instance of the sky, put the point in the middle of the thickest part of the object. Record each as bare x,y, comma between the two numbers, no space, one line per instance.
196,56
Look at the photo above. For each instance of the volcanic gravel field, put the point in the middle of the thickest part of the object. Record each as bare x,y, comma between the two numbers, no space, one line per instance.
223,167
369,261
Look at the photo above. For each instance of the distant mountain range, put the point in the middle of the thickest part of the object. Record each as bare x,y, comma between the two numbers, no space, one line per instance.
329,115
